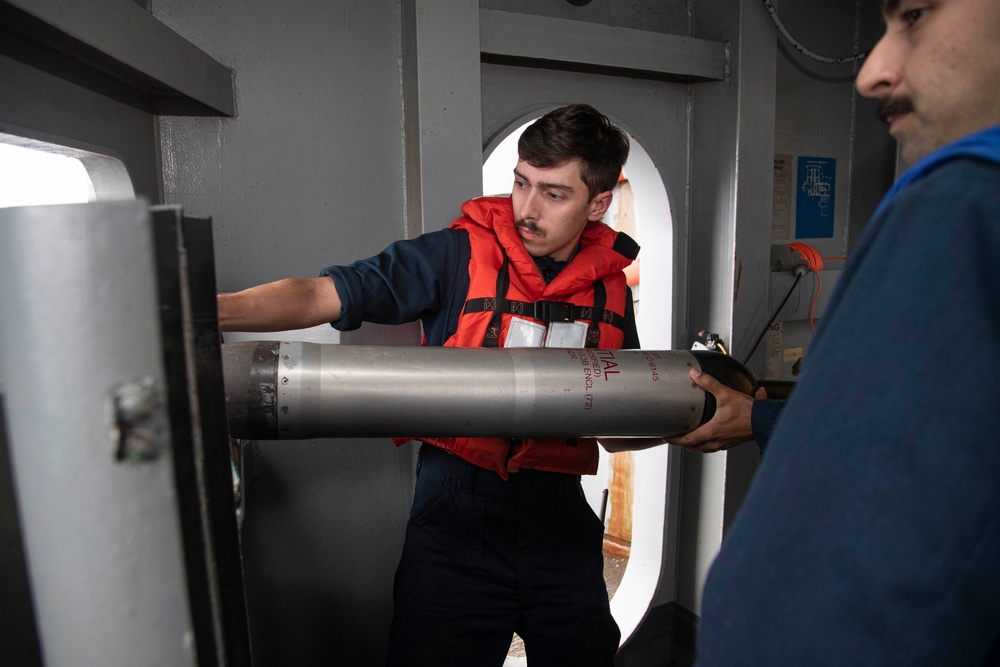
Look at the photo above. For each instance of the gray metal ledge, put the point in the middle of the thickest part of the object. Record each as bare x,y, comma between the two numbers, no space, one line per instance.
119,49
514,38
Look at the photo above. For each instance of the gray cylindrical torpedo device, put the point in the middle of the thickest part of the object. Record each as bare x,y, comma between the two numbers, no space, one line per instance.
294,390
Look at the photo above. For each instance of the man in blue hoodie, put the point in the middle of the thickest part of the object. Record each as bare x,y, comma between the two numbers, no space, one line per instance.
871,535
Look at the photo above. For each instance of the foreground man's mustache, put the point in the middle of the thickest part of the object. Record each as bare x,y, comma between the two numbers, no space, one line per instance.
888,108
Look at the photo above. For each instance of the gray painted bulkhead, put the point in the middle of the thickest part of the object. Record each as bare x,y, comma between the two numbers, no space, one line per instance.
359,123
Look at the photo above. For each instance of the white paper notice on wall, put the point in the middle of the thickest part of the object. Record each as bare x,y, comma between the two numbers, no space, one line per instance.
791,354
773,356
781,208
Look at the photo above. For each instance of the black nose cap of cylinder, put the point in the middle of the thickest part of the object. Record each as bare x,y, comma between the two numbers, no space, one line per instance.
726,370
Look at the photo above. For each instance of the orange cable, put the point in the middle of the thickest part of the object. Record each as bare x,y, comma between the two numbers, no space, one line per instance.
814,260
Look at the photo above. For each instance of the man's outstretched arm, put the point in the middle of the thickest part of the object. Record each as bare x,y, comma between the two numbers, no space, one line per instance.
292,303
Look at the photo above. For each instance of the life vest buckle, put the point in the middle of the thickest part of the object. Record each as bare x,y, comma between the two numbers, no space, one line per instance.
554,311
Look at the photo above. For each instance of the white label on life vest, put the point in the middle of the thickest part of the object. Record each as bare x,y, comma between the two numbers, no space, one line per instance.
522,333
566,334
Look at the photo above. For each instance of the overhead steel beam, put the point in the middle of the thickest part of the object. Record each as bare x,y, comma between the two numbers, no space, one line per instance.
509,37
120,42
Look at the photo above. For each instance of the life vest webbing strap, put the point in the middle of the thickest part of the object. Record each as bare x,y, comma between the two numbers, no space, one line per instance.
548,311
492,336
600,300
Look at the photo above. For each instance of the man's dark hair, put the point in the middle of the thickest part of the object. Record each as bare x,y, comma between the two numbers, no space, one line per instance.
577,131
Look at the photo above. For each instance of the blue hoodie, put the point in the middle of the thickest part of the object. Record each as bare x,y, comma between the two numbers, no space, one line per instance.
871,534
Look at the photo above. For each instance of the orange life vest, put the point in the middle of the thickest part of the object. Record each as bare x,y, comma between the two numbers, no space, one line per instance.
505,283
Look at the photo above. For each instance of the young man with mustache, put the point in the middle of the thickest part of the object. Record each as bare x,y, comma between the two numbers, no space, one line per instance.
871,534
500,537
